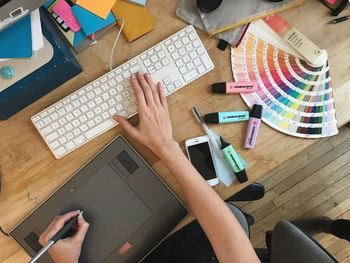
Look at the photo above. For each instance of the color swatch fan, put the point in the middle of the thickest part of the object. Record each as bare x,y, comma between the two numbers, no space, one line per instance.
297,98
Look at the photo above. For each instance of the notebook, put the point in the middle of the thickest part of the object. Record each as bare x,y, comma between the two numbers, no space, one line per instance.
89,22
16,40
231,14
137,19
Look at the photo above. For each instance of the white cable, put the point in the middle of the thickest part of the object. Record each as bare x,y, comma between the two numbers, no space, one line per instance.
115,43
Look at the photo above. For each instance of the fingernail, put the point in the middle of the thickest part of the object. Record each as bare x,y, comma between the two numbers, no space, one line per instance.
132,76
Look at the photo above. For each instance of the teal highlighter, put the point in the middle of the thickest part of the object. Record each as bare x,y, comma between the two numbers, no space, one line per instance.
226,117
234,161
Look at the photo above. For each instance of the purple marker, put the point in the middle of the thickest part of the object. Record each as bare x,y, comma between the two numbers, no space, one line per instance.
253,126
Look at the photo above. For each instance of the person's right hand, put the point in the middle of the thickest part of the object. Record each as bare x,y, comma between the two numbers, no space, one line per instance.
65,250
155,130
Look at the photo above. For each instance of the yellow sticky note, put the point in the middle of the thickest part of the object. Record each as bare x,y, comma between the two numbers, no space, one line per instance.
97,7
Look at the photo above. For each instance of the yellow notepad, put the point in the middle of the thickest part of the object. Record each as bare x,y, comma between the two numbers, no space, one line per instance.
137,19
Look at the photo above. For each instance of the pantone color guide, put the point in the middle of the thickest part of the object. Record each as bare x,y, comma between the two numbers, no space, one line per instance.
297,98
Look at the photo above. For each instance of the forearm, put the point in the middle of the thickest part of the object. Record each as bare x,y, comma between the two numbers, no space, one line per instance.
221,227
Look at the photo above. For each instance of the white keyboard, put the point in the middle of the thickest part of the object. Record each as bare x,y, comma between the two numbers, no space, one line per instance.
87,112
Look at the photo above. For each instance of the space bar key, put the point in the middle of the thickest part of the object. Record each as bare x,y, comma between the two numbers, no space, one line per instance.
99,128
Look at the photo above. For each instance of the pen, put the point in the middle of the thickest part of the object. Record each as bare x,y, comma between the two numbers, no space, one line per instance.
205,127
338,20
67,226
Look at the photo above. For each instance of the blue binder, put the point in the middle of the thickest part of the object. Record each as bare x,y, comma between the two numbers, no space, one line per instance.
61,68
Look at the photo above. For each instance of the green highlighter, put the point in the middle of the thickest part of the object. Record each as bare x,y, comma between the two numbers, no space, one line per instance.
234,161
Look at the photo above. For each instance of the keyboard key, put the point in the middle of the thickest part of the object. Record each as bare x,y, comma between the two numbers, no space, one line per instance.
185,40
161,54
165,61
182,51
200,50
62,121
83,118
154,58
178,44
62,140
179,63
151,70
76,132
91,123
84,127
126,74
177,83
99,128
36,118
69,146
190,75
76,122
46,130
193,54
135,69
52,136
60,151
54,144
158,66
47,120
171,48
183,70
166,81
79,140
206,61
68,127
55,125
201,69
40,124
197,62
190,66
112,111
69,117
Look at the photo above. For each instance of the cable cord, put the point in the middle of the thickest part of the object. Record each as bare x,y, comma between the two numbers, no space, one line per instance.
115,43
3,232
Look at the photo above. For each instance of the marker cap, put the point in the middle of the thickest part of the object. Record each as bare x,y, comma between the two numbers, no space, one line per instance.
211,118
256,111
219,87
242,176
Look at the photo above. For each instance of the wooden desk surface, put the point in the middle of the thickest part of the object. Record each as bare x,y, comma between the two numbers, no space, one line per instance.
30,173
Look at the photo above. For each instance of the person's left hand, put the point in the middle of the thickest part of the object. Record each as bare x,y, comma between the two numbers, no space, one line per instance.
65,250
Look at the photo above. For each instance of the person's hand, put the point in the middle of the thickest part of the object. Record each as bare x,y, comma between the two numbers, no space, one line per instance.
65,250
154,130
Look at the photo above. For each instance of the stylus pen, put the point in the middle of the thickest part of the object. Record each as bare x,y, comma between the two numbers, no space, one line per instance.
205,127
67,226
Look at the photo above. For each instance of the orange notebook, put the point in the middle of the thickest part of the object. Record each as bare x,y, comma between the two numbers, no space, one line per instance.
137,19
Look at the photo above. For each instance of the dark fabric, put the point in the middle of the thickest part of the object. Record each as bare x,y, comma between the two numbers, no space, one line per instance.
190,244
341,228
291,245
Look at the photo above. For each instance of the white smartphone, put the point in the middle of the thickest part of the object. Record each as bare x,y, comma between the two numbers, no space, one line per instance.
200,154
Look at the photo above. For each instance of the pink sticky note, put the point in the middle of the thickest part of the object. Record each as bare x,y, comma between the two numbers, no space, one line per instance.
64,11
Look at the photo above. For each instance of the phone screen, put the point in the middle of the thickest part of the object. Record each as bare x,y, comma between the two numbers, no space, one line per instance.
201,159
